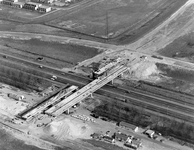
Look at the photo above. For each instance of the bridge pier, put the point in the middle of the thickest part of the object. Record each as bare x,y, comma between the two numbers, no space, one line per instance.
68,111
112,82
91,95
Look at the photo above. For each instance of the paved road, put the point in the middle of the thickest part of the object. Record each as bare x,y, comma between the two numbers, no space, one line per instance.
108,47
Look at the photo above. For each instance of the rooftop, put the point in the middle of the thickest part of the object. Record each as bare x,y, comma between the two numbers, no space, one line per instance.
127,125
121,136
32,3
43,6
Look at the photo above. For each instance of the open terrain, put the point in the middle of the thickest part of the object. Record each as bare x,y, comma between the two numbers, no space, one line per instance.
109,19
155,92
60,54
17,15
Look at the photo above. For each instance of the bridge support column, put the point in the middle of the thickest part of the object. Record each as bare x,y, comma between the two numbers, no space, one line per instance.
91,95
121,75
68,111
112,82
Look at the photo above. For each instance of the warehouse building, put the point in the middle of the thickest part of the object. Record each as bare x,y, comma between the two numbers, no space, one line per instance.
8,2
31,5
44,9
18,4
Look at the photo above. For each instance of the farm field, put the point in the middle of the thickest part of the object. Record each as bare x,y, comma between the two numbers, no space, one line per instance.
112,18
180,48
6,139
59,54
18,15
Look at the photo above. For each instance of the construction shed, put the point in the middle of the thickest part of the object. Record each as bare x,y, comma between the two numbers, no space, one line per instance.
150,133
128,126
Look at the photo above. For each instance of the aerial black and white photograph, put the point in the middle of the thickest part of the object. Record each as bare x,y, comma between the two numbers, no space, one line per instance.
96,74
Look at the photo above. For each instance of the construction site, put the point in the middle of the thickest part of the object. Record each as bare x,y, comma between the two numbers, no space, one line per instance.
77,84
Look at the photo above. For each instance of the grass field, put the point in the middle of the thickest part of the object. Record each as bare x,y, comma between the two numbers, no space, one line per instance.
20,15
60,53
120,16
7,142
181,48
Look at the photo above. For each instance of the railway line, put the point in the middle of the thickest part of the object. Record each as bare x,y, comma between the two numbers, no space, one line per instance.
168,106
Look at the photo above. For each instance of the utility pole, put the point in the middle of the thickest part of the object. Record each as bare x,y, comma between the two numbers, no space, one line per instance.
107,25
107,30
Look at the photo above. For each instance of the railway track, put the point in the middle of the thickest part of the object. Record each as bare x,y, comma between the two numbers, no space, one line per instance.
169,107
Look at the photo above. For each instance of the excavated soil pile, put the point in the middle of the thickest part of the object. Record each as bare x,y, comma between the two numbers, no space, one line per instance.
68,129
145,70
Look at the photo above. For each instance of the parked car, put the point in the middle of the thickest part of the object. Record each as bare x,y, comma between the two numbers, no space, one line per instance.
104,118
40,66
94,115
53,77
4,56
39,58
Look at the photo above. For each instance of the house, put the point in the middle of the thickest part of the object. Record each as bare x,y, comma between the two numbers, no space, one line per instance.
133,144
18,4
128,126
44,9
150,133
122,137
108,139
31,5
96,136
136,144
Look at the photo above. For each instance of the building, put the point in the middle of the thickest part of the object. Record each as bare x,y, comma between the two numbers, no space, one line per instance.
128,126
43,1
122,137
96,136
31,5
133,144
108,139
18,4
150,133
35,1
136,144
7,2
44,9
49,1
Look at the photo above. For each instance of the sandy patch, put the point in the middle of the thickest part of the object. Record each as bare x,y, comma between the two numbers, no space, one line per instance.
11,106
69,129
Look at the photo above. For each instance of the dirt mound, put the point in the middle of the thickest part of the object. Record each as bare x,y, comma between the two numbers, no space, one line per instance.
70,129
145,70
